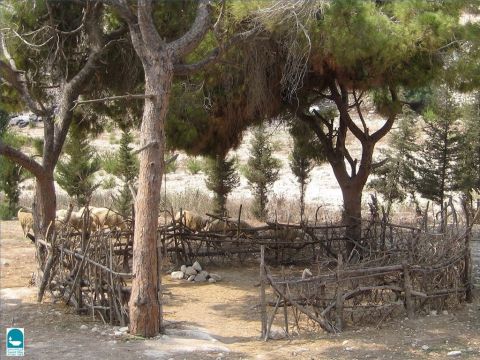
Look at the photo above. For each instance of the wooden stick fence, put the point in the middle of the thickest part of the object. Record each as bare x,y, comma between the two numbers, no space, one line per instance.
92,270
361,293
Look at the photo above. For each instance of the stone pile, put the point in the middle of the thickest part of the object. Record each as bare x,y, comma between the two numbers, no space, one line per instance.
194,273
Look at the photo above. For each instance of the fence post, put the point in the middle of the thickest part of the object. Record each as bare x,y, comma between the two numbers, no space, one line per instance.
339,301
263,305
408,291
467,275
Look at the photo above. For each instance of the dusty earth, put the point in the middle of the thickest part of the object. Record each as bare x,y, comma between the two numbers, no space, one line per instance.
211,321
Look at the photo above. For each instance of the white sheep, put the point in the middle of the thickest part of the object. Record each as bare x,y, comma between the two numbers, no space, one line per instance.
104,217
191,220
76,219
26,220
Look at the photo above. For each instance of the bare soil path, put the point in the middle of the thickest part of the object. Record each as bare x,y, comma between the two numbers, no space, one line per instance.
211,321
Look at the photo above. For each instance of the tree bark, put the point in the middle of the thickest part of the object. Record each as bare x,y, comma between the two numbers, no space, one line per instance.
144,303
352,214
44,203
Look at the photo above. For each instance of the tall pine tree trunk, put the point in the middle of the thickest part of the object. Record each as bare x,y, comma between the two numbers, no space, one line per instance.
44,204
144,303
352,214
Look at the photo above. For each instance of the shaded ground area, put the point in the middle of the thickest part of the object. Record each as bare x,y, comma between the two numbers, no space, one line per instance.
211,321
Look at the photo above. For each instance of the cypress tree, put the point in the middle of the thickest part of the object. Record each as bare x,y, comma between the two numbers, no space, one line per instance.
75,172
440,152
261,171
305,153
395,178
127,170
222,178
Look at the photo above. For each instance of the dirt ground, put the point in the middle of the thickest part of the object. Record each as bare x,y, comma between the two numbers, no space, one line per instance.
211,321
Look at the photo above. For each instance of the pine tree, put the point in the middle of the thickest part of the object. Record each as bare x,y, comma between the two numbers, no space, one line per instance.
440,152
305,154
222,178
127,169
395,179
261,170
75,172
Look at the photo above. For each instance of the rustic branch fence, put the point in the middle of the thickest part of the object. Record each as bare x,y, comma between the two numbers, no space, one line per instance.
411,275
92,272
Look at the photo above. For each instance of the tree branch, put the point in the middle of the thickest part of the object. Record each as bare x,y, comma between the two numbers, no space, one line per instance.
112,98
189,41
380,133
341,100
213,56
23,160
16,79
147,27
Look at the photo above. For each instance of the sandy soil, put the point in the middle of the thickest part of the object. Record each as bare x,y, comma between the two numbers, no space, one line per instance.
212,321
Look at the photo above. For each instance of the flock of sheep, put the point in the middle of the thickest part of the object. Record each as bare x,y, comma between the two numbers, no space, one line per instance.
99,218
104,218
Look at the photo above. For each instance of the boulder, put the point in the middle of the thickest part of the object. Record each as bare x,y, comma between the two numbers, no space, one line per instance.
190,271
183,268
212,280
200,277
177,275
215,276
205,273
191,278
196,266
277,333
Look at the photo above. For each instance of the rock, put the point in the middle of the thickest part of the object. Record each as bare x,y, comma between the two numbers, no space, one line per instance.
425,347
433,312
191,278
215,276
205,273
277,333
454,353
177,275
212,280
190,271
196,266
183,268
349,348
200,277
103,333
345,342
118,333
83,327
94,329
123,329
445,312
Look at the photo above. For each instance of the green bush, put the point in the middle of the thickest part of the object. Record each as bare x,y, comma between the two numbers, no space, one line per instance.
110,163
194,165
109,183
6,213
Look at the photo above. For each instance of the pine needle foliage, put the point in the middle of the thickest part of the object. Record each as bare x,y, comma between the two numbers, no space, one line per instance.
262,170
306,152
395,179
440,152
127,170
11,174
75,172
222,178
